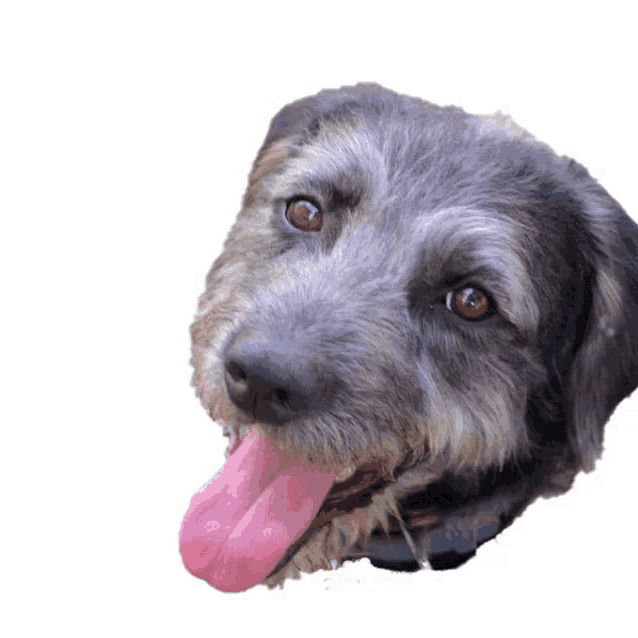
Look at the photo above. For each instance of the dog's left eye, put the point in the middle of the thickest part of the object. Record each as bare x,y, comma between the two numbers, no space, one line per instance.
304,215
469,303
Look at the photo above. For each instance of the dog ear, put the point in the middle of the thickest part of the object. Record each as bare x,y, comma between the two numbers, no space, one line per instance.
293,119
605,368
294,124
303,117
287,129
301,120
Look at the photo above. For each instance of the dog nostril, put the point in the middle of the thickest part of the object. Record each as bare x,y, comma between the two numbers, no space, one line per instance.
273,386
282,396
237,374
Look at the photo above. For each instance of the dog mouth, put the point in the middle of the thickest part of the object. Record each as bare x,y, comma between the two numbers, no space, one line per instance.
266,502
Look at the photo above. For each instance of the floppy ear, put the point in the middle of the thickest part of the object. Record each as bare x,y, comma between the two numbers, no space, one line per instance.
301,120
605,369
293,120
303,117
287,129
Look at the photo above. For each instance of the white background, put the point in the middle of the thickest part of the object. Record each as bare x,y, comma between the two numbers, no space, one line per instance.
127,130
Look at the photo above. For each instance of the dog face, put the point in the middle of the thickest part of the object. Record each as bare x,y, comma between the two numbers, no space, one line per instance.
420,322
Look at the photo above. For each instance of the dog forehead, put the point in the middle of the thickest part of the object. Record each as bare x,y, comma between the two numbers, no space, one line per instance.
405,158
344,154
362,136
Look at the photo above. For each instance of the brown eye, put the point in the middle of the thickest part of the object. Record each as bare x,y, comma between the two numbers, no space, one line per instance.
469,303
304,215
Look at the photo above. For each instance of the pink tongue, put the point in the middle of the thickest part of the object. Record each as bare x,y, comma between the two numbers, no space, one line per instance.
239,526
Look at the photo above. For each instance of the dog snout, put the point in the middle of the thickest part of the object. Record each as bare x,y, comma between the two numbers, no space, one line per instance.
270,380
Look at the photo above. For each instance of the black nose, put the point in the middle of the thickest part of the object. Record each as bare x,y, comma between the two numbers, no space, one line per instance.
270,379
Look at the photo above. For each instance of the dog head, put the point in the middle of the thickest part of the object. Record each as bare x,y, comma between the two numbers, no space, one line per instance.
421,321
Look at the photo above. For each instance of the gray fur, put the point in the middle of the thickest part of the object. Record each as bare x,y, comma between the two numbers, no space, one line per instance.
467,422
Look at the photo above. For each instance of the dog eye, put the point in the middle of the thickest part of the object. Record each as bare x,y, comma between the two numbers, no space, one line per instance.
304,215
469,303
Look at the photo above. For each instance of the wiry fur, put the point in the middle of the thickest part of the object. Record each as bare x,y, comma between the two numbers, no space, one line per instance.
466,422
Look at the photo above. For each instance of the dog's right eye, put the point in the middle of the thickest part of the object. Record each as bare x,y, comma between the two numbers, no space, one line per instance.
304,215
469,303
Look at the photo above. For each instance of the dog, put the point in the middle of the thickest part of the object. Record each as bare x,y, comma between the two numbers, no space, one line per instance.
420,322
